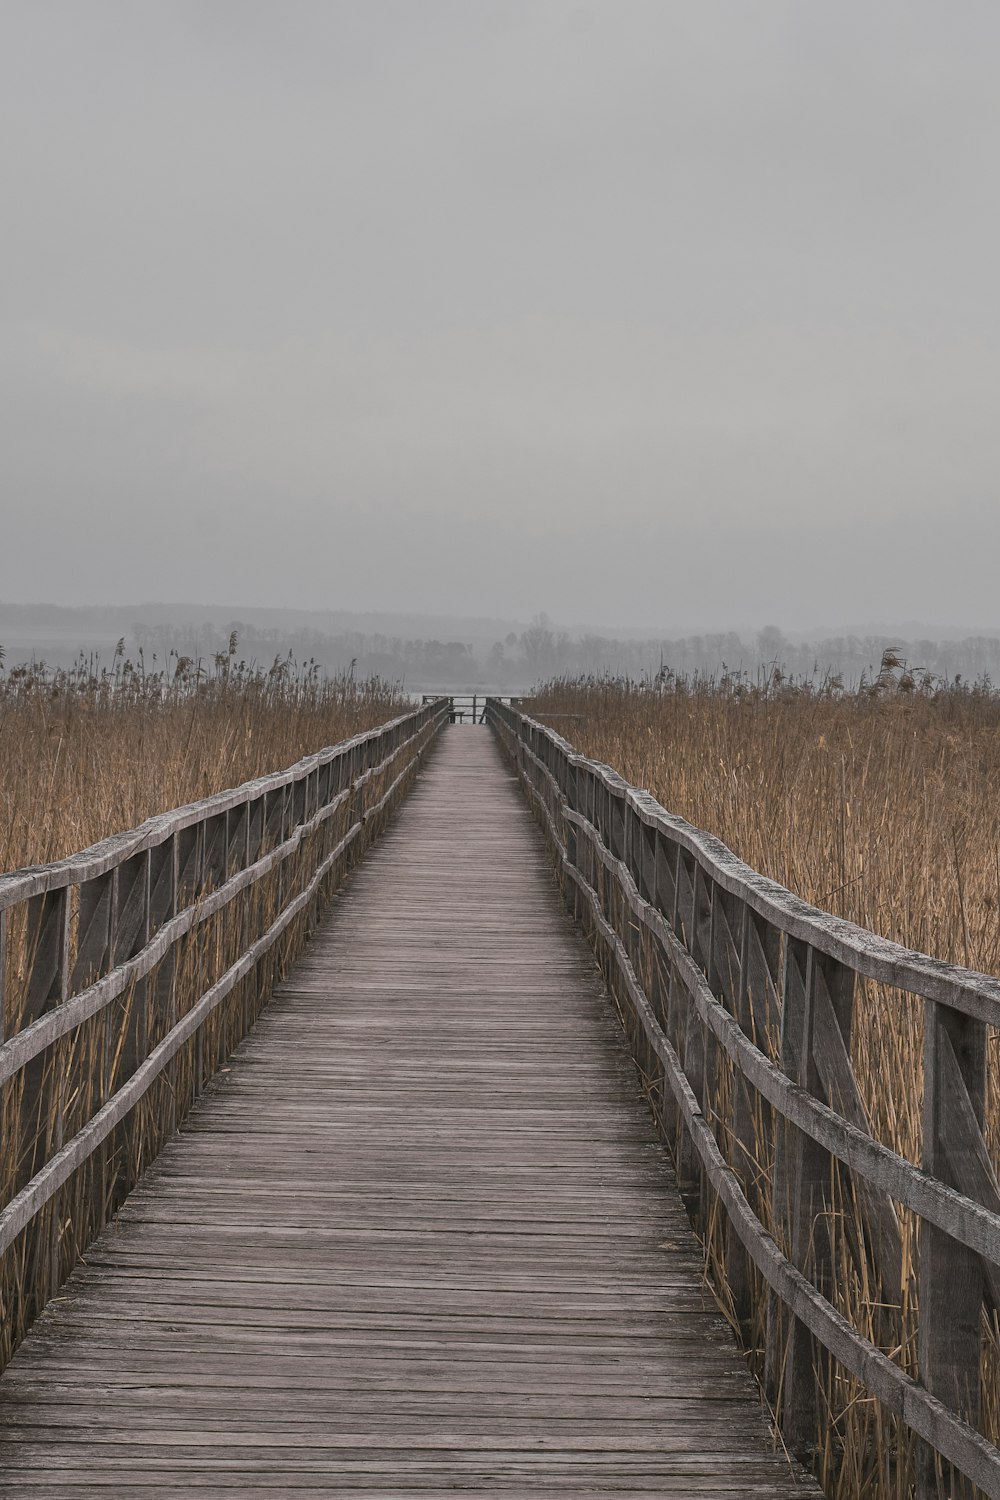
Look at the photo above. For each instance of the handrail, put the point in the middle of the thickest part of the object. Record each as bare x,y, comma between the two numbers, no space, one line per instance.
98,858
472,703
873,957
129,971
711,964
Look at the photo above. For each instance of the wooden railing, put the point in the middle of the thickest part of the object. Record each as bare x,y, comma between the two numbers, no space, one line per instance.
130,971
739,1001
466,707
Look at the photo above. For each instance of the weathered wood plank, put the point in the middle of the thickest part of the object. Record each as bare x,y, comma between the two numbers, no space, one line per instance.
947,1435
419,1239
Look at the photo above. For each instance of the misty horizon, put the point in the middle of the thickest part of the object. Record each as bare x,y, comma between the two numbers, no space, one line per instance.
48,612
658,313
435,653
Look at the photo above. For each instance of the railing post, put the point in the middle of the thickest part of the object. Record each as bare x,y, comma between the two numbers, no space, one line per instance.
132,935
93,943
163,888
255,821
696,1052
759,958
616,824
48,951
661,894
47,942
643,946
3,974
782,1194
720,973
802,1191
664,875
237,838
42,1104
951,1275
743,1142
572,839
677,1007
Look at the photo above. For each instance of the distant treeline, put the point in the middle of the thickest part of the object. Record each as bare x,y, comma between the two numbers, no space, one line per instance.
513,661
425,663
542,651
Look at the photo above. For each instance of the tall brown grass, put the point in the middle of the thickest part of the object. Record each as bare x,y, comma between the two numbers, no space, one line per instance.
883,806
90,752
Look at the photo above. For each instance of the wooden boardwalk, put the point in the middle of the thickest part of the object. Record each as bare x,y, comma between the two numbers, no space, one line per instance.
419,1240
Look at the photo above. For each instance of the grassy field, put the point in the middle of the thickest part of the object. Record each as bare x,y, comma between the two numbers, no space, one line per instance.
89,753
883,807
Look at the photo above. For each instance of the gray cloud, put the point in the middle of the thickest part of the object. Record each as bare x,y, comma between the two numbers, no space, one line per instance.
635,312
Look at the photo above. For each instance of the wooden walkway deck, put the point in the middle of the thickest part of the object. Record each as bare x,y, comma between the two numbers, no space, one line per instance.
420,1239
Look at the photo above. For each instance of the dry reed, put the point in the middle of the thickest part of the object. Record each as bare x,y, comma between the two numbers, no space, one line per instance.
883,809
87,753
882,806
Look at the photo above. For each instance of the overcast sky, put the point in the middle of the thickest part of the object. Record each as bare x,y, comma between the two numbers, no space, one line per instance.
678,314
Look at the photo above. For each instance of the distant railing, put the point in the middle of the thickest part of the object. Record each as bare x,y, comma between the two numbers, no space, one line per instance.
739,1001
469,707
130,971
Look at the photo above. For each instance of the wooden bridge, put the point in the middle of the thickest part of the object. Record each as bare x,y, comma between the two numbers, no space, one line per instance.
417,1233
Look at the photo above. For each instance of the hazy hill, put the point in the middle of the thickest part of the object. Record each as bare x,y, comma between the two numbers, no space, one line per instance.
426,652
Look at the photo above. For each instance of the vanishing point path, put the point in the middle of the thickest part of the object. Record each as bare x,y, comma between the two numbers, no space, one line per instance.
419,1240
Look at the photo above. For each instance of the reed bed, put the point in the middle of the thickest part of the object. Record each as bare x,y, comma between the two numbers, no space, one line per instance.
883,806
91,751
